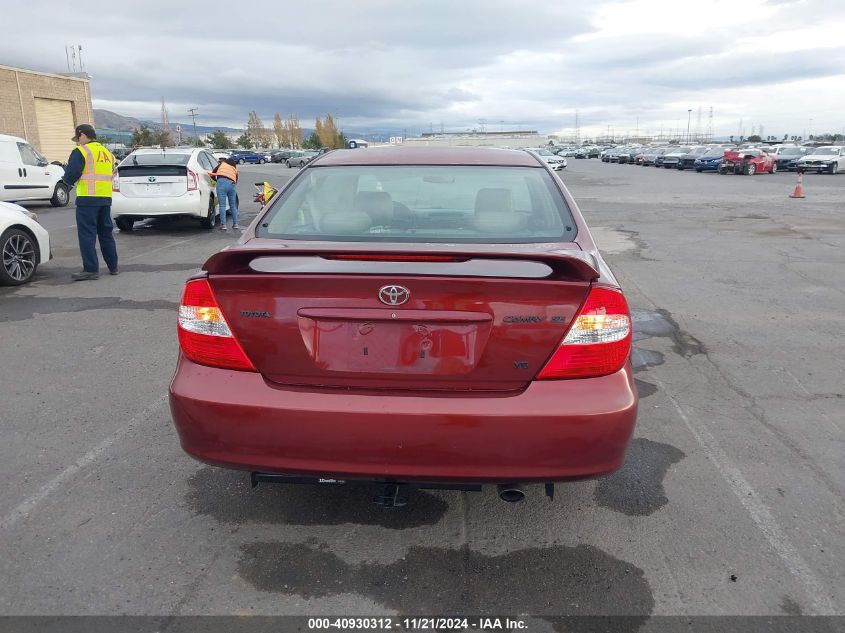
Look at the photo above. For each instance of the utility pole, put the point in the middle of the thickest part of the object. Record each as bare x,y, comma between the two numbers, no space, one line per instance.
193,112
689,116
165,123
577,128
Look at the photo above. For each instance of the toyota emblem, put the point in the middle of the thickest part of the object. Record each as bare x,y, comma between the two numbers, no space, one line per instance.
394,295
151,179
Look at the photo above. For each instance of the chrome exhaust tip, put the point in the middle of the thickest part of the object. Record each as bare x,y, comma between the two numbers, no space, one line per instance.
512,493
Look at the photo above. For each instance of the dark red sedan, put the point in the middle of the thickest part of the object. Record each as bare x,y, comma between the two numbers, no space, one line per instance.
409,315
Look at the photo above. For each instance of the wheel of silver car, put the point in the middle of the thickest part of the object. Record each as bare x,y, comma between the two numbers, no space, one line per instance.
20,257
834,167
287,162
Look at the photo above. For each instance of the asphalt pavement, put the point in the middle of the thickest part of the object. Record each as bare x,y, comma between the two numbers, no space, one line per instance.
731,500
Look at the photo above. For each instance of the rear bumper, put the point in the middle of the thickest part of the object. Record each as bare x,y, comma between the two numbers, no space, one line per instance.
191,203
552,431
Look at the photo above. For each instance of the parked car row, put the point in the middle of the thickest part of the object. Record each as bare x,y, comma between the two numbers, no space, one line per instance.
583,151
732,159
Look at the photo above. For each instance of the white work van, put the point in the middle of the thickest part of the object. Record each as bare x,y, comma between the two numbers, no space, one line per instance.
26,175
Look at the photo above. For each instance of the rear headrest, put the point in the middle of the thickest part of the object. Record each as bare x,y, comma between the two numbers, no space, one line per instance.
350,223
499,223
493,200
377,204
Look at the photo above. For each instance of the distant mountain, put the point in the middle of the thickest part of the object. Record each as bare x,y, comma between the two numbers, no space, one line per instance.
114,122
108,120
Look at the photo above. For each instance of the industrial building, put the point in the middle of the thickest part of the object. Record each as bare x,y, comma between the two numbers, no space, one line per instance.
44,108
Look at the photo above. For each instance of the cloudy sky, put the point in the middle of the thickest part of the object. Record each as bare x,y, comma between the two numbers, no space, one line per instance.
417,65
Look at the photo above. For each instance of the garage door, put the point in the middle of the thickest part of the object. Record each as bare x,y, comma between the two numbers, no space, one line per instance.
55,127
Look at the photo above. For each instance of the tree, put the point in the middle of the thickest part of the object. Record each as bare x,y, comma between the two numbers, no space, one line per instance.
754,138
163,138
257,131
244,141
327,132
295,131
281,130
219,140
143,136
312,142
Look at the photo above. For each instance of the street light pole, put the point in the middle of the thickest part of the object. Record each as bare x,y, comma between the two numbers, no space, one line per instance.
689,115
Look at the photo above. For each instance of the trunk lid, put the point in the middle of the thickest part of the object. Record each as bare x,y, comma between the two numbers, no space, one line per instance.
153,181
471,321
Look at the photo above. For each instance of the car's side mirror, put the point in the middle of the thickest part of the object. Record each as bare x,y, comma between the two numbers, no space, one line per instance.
43,163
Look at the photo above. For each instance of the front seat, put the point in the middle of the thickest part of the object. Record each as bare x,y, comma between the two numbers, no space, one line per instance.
377,204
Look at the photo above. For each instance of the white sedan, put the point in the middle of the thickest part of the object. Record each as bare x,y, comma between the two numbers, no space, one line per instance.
174,182
828,160
555,162
24,244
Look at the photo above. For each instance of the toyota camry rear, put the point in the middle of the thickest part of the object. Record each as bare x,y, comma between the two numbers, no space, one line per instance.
404,314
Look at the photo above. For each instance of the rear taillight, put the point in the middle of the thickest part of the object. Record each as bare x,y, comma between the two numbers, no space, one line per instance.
115,181
204,335
193,181
598,342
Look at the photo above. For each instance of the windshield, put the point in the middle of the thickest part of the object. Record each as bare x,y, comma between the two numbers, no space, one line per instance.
421,204
543,152
791,151
156,159
825,151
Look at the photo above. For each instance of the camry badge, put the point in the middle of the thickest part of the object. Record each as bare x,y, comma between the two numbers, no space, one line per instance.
394,295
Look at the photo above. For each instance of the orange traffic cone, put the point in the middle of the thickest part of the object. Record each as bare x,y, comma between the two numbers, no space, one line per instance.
799,187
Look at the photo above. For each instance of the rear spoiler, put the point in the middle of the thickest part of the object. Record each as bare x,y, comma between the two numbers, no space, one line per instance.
318,259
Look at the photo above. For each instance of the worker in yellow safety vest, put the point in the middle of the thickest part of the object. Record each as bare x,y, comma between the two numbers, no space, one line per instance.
90,168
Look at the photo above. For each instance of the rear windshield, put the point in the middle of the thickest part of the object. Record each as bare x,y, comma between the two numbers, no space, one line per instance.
368,203
156,159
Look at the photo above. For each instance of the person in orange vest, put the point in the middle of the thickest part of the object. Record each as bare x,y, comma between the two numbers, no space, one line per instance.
226,174
90,168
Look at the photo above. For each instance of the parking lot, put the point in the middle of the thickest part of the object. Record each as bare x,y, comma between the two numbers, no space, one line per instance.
731,500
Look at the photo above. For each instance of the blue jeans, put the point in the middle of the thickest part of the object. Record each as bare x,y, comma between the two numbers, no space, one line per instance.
94,222
227,190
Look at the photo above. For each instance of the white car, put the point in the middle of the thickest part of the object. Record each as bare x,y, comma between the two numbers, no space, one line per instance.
220,154
152,183
26,175
24,244
555,162
829,159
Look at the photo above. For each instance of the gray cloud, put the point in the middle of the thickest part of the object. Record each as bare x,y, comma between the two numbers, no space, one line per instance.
382,63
